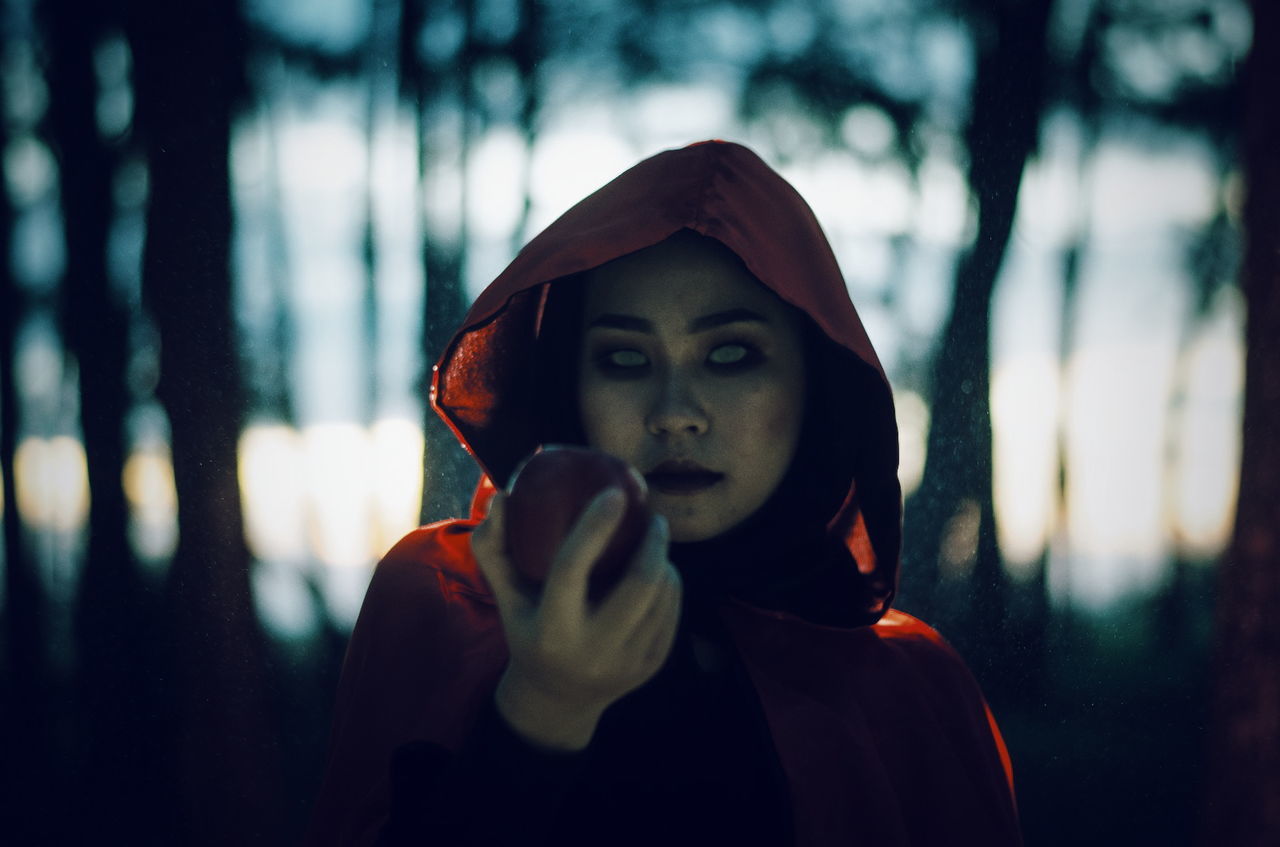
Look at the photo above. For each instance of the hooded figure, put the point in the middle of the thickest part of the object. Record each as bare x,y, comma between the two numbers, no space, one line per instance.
794,706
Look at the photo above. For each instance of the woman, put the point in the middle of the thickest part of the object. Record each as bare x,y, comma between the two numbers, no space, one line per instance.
747,681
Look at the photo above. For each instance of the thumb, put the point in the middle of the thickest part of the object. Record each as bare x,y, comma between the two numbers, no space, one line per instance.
488,546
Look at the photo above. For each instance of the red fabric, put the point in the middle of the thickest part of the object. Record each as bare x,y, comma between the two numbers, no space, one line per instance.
881,731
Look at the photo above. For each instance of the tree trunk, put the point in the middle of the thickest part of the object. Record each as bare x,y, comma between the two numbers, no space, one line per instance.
189,61
528,49
951,516
112,612
26,725
450,474
1244,742
380,78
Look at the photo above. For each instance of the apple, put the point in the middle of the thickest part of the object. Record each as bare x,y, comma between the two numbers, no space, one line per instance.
548,493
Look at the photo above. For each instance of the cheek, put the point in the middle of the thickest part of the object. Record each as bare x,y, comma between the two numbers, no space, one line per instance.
778,405
769,420
779,412
780,421
593,419
604,415
789,412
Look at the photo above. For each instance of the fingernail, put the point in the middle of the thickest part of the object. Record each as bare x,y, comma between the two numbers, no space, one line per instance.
640,480
610,499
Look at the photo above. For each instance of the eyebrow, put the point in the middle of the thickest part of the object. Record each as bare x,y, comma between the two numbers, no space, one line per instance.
701,324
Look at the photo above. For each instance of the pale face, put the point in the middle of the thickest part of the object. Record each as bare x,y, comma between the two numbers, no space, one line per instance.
687,357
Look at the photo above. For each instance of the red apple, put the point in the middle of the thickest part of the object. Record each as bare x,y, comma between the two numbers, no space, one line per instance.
549,491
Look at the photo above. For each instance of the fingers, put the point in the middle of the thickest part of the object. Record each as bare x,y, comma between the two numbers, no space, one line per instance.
667,621
488,544
648,602
604,651
565,590
492,523
652,624
649,568
653,550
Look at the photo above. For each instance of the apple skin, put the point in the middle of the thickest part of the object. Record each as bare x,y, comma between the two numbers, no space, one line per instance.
548,493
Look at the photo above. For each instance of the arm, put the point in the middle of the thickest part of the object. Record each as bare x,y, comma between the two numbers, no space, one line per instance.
442,798
413,673
953,683
421,661
568,664
570,660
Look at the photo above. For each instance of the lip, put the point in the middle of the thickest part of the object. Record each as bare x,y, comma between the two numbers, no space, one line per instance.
681,476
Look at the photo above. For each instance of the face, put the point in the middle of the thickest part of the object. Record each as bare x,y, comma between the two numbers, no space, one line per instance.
693,372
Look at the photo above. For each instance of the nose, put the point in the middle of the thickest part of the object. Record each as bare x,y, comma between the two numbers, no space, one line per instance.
676,409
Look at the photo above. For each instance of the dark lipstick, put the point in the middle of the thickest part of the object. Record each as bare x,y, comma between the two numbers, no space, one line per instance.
681,476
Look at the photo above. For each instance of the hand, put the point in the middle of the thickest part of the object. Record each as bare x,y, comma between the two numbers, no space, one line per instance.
570,660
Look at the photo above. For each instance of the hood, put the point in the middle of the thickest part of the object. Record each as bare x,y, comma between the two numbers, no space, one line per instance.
486,388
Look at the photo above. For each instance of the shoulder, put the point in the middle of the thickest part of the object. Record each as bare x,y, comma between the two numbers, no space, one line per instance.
422,591
907,631
425,649
431,560
899,652
943,672
908,687
426,604
927,652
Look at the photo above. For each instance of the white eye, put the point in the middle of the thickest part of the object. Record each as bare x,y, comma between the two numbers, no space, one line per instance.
728,354
627,358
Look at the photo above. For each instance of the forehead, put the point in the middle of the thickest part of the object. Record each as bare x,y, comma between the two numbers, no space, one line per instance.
683,277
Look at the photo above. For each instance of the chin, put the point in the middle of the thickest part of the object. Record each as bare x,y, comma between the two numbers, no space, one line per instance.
687,531
688,537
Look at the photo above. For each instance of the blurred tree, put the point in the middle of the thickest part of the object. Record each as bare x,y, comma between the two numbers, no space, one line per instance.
26,719
273,387
380,77
189,61
950,521
528,48
440,90
1242,805
268,354
1104,56
114,611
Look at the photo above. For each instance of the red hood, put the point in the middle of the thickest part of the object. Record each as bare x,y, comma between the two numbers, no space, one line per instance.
481,385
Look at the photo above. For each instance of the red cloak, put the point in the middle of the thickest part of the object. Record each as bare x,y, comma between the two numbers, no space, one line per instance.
881,730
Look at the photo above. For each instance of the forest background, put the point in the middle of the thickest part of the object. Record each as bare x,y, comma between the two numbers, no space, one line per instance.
236,237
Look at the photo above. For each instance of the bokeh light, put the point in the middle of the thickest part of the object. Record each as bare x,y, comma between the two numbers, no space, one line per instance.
52,481
153,501
1024,419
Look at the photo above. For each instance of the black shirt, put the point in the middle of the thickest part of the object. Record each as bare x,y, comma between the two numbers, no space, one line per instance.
686,758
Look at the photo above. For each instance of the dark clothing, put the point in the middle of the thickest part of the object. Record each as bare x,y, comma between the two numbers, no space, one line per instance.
684,759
